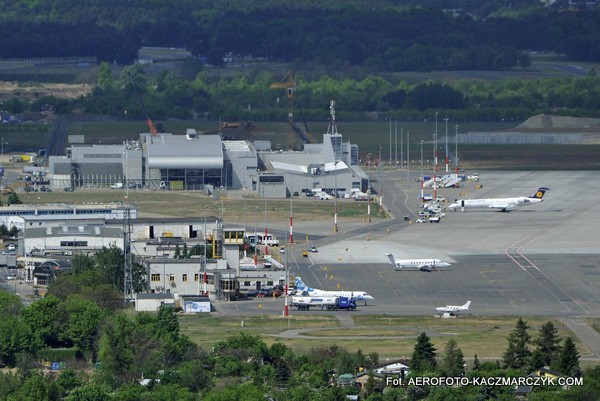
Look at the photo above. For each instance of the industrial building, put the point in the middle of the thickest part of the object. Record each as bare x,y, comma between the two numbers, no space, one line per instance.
205,162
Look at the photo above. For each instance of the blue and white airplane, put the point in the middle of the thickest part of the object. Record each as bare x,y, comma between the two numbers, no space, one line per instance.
501,204
302,288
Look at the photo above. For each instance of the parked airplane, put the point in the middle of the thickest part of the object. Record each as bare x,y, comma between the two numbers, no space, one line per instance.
453,309
501,204
302,288
425,265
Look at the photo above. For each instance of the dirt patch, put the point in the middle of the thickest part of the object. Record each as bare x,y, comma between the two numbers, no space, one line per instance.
10,90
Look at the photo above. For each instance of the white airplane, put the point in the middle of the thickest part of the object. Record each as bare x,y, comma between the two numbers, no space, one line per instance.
426,265
302,288
501,204
453,309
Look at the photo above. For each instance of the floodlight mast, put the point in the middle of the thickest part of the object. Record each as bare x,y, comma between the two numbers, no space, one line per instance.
148,120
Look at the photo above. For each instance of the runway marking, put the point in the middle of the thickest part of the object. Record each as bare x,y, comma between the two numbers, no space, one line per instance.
517,256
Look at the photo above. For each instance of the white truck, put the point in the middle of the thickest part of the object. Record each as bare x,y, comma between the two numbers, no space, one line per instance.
307,302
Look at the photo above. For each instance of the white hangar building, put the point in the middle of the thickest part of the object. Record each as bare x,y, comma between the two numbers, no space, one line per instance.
203,162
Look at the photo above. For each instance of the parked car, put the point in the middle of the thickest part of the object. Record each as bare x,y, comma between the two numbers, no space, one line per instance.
265,292
252,293
421,220
11,247
313,249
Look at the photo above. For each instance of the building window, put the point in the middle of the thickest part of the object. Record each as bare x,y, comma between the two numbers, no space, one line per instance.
247,284
184,278
196,277
155,277
270,283
172,278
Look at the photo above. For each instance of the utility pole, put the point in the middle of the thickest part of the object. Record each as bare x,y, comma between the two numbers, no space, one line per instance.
380,184
446,145
335,193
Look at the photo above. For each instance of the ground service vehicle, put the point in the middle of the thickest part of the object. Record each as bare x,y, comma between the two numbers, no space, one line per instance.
306,302
343,303
329,303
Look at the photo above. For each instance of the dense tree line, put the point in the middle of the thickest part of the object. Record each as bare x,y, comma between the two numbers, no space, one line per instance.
383,35
249,98
124,349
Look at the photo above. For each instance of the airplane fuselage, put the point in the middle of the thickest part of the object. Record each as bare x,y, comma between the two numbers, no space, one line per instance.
504,204
501,204
358,295
421,264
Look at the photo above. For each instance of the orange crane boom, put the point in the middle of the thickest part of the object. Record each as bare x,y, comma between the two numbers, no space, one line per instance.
148,120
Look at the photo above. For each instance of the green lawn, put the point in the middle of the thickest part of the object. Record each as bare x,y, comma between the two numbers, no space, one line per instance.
390,336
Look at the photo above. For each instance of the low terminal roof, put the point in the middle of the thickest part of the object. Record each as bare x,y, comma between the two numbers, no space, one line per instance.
168,151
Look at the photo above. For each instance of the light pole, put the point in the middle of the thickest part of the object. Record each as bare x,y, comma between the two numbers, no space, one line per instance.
255,234
335,193
205,246
422,177
446,119
266,227
380,184
291,218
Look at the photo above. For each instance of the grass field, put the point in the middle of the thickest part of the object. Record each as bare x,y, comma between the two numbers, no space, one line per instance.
390,336
191,203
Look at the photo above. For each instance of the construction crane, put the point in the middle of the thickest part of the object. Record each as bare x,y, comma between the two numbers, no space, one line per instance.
148,120
289,85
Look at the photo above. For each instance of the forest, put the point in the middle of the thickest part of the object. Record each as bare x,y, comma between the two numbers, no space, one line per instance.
104,352
382,35
249,98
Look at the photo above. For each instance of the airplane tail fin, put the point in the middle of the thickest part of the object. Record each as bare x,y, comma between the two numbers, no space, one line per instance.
466,306
539,194
300,284
391,258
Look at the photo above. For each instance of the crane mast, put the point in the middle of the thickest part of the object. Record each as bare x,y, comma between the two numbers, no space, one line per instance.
148,120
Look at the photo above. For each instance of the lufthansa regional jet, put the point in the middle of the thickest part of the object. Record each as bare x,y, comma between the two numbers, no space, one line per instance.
500,204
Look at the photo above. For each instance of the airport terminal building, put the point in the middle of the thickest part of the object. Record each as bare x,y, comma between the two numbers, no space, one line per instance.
207,162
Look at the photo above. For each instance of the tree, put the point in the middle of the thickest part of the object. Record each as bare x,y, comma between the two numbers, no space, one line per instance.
423,357
83,321
13,199
548,346
194,376
105,79
90,392
568,361
15,337
453,362
10,305
46,320
518,352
